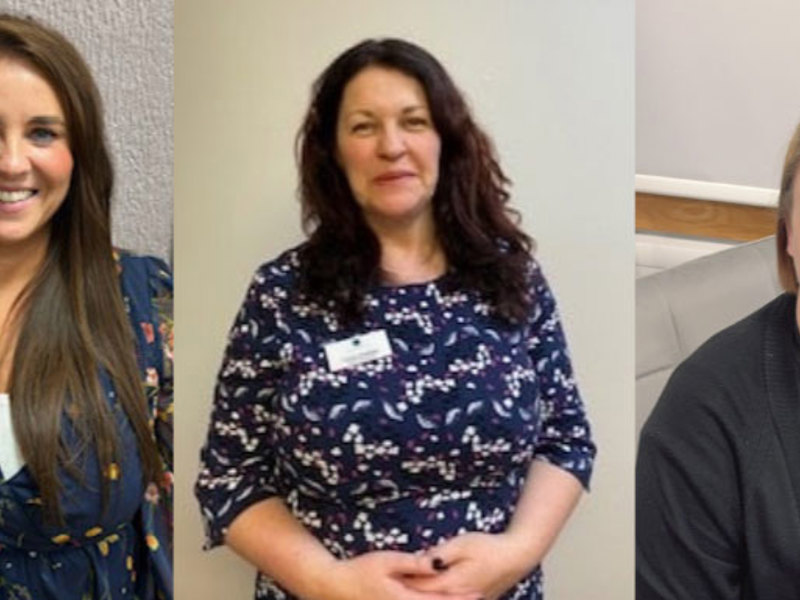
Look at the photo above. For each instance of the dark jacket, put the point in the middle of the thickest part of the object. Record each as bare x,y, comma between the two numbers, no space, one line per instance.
718,472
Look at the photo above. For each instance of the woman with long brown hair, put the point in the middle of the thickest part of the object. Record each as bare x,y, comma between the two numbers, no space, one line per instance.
85,393
395,416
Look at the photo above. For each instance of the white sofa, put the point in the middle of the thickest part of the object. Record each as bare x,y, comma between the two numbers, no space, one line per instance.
679,308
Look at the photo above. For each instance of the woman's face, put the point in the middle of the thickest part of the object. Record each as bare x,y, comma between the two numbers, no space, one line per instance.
387,146
35,159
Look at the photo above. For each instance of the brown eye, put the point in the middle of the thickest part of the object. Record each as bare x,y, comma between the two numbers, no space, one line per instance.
417,122
361,128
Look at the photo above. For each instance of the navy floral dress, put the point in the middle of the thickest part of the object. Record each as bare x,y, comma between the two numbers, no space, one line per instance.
126,552
401,452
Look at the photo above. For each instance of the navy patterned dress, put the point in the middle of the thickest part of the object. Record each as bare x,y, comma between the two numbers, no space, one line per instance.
123,553
401,452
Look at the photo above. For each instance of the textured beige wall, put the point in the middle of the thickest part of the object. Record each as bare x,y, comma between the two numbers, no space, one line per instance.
128,46
553,84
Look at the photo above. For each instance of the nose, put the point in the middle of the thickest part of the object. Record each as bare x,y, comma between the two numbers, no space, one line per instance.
391,144
13,159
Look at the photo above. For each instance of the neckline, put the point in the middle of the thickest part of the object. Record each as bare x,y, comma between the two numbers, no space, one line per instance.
409,286
401,287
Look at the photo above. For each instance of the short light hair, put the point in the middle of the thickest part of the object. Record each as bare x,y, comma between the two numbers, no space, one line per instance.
786,266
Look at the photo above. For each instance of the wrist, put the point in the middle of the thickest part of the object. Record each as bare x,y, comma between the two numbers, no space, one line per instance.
331,582
521,552
323,582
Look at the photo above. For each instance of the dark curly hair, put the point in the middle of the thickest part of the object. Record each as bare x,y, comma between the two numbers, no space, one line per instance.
485,248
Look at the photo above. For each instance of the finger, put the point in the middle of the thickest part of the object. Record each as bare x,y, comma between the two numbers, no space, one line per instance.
401,563
436,583
455,581
447,553
402,591
412,595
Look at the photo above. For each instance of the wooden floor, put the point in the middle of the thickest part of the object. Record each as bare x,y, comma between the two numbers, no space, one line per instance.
702,218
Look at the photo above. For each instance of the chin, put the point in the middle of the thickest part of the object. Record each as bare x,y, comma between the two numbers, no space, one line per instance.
400,208
12,236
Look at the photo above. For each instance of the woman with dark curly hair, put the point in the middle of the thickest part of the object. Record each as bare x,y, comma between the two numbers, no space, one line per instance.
85,394
395,416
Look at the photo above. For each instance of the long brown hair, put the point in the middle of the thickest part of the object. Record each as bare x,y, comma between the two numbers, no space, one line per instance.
72,322
786,266
486,250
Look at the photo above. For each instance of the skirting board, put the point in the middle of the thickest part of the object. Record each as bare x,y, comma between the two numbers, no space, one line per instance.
706,190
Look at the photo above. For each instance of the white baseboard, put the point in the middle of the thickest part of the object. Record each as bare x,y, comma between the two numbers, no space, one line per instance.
707,190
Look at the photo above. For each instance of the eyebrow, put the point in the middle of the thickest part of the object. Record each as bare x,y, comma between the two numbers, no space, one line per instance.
42,120
46,120
369,113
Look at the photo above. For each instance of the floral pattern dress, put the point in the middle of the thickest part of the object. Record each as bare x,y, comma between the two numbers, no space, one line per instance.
124,553
423,443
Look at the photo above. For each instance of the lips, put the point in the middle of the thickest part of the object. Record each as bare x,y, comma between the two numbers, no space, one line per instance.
15,196
392,176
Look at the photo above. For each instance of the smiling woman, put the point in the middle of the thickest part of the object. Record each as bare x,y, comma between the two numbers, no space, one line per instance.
396,404
388,148
85,395
36,162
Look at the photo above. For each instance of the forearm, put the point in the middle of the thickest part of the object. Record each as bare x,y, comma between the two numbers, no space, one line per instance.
267,535
547,500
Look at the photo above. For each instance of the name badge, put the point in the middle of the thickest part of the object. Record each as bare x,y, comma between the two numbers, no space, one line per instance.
357,350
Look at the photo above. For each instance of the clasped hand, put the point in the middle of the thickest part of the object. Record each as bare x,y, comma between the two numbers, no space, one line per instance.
472,566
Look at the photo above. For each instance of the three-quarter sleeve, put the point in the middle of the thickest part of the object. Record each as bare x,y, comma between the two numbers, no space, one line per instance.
237,460
564,435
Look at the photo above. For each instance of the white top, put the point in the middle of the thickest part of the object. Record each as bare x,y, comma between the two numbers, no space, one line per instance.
10,457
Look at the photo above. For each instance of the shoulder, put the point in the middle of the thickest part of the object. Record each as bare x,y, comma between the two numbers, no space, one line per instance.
142,274
734,355
146,288
273,285
535,275
719,387
543,302
281,271
283,268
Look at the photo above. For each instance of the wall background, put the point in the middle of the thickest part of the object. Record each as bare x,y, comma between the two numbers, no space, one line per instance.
128,46
551,82
717,91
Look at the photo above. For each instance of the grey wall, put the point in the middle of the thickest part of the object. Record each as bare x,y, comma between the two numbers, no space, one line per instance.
717,88
128,46
552,82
